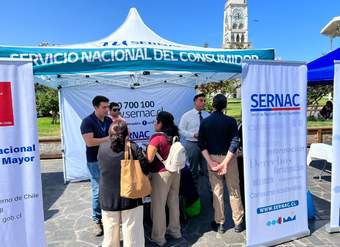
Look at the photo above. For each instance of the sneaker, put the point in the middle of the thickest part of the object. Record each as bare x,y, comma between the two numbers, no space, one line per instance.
174,236
159,243
217,227
239,228
98,229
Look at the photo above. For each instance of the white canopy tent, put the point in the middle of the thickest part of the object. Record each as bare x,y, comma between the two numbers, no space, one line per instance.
162,74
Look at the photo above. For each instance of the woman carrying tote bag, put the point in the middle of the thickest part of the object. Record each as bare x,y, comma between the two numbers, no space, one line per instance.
117,209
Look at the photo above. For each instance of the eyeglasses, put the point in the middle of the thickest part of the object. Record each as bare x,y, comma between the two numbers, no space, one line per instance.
115,109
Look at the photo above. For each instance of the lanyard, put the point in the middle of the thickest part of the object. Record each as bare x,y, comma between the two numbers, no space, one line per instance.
102,126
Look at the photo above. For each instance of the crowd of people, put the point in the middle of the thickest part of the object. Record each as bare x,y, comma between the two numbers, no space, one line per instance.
212,141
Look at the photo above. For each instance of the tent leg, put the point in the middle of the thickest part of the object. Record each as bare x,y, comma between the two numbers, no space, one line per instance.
61,135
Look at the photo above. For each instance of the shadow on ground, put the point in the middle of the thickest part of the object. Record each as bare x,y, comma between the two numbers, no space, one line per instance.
53,187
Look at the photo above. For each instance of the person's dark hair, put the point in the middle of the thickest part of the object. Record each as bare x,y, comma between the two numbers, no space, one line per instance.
98,99
199,95
118,132
168,125
113,104
219,102
329,104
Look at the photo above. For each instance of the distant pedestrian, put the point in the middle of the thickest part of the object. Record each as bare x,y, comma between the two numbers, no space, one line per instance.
327,111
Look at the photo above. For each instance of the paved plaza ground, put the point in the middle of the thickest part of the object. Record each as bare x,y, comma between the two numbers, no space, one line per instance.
68,214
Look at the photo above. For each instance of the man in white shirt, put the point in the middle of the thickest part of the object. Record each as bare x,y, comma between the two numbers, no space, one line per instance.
188,127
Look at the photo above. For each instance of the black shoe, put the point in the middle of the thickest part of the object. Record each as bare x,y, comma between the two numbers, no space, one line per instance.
217,227
98,229
239,228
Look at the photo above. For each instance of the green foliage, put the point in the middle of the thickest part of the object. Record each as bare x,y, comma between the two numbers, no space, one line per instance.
45,128
47,100
227,87
315,95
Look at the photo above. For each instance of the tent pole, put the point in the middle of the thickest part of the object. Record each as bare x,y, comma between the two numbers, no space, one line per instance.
331,41
62,135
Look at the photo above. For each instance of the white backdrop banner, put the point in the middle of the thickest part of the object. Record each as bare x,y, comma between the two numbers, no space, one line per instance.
139,107
274,134
335,194
21,208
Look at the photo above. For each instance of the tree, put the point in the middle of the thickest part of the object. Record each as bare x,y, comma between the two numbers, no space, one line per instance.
47,101
315,94
226,87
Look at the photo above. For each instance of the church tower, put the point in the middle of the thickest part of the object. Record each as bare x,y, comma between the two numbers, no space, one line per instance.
235,32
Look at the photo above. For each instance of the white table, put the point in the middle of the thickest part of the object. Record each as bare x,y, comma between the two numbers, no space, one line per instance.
320,151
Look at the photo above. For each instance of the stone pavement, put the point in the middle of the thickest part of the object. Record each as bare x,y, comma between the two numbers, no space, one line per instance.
68,210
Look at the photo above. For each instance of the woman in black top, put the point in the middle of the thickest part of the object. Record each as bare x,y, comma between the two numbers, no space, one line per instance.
115,209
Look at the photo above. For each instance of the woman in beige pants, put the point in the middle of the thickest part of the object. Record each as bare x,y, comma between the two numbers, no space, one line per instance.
165,184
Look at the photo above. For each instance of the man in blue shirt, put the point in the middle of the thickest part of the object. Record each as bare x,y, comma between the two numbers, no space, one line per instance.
94,129
218,140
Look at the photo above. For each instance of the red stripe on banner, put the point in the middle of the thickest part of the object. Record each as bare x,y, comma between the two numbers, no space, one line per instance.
287,109
6,105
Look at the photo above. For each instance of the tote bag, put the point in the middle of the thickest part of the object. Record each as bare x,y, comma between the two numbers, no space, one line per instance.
134,183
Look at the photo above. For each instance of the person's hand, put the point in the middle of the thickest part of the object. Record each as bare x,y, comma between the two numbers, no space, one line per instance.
213,165
222,169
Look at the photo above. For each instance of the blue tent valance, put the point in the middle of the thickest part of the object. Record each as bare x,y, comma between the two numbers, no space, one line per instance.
321,70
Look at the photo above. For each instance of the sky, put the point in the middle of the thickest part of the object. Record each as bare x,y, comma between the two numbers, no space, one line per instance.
291,27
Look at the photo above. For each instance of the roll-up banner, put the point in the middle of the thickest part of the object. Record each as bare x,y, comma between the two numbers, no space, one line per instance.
334,225
21,207
274,132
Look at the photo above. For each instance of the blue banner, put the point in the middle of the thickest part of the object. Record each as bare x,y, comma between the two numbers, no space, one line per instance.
90,60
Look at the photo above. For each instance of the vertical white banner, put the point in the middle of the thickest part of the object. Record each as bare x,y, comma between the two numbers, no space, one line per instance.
139,107
274,134
21,207
335,194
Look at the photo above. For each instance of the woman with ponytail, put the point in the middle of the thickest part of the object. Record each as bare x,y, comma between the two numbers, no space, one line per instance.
165,184
117,210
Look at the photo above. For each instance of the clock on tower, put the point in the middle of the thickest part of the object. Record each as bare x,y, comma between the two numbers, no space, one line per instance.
235,33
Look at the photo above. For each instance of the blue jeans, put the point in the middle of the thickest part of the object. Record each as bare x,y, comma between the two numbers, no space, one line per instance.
94,171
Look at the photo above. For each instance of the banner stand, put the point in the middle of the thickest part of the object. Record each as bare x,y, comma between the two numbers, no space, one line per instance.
283,240
330,229
334,224
274,103
21,196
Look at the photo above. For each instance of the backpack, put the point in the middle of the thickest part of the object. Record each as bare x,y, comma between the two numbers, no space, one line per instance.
177,156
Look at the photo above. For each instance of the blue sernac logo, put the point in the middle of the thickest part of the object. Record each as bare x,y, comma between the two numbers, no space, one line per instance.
275,102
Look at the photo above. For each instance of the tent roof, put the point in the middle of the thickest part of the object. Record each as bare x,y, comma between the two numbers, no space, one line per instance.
332,29
132,29
133,54
321,70
135,33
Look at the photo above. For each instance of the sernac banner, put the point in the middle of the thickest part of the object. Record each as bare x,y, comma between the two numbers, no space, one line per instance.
335,195
274,148
47,60
21,207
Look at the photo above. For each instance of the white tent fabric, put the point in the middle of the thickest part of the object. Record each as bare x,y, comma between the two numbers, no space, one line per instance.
161,72
133,29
